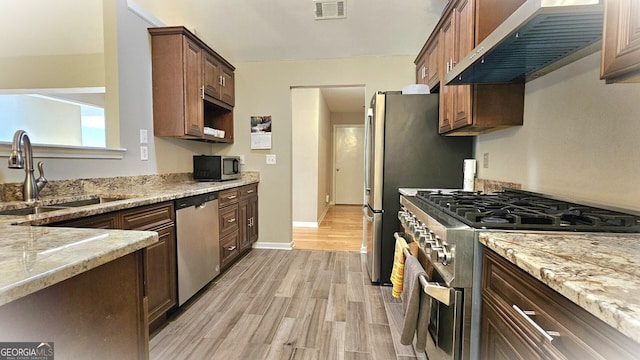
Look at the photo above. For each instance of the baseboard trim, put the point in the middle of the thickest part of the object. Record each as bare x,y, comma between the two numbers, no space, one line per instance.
273,245
305,224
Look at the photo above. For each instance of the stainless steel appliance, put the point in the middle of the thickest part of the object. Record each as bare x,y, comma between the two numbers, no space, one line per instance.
403,149
216,167
446,224
198,243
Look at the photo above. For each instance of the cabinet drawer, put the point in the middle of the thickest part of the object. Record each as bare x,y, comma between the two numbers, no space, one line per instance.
103,221
148,217
248,190
226,197
228,219
581,335
228,249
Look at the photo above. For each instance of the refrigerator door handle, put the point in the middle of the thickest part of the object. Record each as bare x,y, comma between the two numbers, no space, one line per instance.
366,213
367,155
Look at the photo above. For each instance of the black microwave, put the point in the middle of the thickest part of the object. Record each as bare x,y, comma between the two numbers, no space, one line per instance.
216,167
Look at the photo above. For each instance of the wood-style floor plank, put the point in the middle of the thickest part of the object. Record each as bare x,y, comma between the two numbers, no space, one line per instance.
339,230
279,304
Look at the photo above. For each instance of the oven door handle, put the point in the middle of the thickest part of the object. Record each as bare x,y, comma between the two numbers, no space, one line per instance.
443,294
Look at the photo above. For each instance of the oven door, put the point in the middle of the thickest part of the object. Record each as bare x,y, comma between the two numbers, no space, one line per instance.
444,338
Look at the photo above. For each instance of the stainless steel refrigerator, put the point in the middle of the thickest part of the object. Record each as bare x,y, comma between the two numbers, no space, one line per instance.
403,150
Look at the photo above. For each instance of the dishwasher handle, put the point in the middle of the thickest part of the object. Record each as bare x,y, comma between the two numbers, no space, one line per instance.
198,201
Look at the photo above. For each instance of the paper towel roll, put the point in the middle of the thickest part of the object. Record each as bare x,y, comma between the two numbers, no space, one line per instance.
469,170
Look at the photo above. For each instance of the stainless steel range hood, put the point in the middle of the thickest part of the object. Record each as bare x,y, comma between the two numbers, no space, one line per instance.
539,37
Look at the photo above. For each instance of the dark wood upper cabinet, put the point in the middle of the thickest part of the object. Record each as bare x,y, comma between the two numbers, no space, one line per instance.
621,41
193,87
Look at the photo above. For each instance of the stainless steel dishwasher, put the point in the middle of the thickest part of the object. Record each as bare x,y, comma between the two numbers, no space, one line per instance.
198,243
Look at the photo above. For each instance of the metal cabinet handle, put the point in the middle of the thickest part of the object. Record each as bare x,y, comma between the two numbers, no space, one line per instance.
231,197
525,314
250,191
202,92
231,220
231,248
220,80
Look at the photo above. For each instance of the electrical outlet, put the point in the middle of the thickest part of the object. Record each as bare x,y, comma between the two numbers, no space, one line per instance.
326,198
485,161
144,138
144,153
271,159
241,159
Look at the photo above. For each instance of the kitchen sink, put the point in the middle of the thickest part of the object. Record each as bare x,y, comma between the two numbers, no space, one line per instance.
91,201
31,210
65,205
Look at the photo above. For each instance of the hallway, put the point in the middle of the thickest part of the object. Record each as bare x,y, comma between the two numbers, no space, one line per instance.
340,230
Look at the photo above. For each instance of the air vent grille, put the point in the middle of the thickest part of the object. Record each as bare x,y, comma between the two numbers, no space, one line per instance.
331,10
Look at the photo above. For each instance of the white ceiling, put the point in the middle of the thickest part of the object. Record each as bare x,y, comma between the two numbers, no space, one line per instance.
240,30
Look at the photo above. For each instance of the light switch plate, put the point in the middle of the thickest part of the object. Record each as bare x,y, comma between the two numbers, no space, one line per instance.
144,138
271,159
144,153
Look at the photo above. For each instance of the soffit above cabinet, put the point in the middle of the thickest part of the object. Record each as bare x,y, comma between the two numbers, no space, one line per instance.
539,37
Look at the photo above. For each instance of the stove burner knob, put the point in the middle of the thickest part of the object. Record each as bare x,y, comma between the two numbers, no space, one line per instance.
430,246
422,240
444,256
437,240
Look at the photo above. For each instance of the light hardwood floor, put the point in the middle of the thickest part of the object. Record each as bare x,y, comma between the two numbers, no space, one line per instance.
340,230
279,304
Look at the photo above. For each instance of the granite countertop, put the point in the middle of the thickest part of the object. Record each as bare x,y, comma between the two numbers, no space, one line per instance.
34,257
599,272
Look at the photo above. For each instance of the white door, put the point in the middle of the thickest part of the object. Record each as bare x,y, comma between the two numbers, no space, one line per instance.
348,150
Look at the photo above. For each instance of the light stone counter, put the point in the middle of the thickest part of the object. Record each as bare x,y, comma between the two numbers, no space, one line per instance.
599,272
35,257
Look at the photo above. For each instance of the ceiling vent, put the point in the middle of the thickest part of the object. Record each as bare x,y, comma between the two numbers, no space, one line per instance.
330,9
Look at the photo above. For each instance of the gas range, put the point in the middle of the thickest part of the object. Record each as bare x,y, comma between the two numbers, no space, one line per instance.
523,210
447,223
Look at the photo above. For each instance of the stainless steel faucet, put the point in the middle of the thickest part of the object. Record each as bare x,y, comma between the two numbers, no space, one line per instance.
31,186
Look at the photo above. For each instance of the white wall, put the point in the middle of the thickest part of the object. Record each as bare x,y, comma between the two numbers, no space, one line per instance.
305,115
324,160
580,138
264,88
135,111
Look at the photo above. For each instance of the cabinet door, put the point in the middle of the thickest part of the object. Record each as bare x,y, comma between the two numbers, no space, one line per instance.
227,91
499,341
447,92
252,211
432,64
621,40
212,75
193,89
159,258
464,43
160,267
421,70
245,225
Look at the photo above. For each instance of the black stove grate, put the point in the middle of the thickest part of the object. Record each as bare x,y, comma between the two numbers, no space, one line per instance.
523,210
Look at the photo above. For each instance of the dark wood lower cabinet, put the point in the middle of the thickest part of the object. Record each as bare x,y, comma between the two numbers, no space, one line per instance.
99,314
238,213
159,258
507,334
